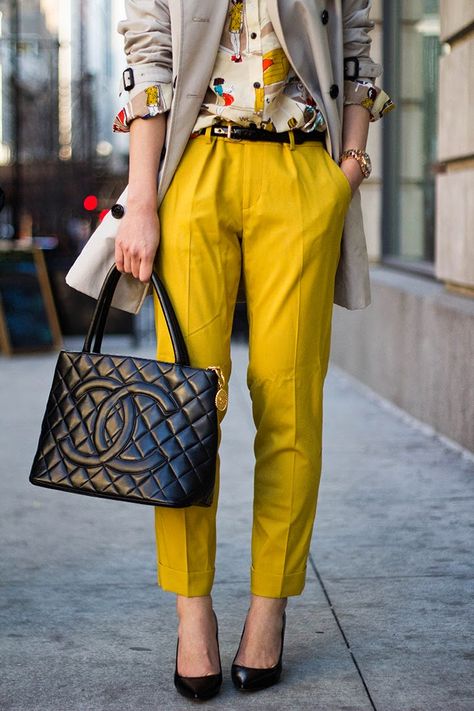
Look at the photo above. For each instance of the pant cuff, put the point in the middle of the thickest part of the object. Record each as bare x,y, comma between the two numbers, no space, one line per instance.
268,585
184,583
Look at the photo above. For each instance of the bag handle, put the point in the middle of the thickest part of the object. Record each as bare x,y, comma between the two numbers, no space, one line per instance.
101,311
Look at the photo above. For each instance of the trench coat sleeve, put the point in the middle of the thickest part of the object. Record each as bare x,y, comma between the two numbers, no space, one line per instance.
359,86
147,45
153,100
356,28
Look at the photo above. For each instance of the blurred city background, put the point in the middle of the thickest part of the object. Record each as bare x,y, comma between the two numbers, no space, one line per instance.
60,163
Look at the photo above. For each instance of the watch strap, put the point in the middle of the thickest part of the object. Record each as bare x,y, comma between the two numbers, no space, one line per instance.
361,156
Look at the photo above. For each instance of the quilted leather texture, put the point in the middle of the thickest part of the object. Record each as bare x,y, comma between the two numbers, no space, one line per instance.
132,429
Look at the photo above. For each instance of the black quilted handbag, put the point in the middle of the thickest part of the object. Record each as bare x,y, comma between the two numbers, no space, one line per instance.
131,429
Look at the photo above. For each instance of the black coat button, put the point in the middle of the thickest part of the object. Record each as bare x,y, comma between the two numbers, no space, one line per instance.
117,211
334,91
325,17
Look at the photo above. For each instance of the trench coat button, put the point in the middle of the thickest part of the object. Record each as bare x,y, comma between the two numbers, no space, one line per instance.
118,211
325,17
334,91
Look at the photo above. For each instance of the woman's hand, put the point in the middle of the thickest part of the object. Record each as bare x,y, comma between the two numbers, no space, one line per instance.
136,242
353,173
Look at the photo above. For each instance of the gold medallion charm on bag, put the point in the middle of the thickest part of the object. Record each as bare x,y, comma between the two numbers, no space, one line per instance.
221,395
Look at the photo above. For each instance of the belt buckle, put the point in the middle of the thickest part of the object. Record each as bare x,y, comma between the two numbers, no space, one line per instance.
219,130
230,129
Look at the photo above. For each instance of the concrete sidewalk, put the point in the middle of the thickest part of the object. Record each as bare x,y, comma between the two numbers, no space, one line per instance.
386,618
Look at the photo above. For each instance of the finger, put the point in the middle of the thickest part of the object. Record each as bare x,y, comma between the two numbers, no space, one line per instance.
126,262
135,265
146,266
118,257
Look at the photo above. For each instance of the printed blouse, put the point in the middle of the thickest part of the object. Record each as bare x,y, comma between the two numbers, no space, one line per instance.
253,83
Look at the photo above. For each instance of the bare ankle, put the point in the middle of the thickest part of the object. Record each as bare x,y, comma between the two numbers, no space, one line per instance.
195,605
259,602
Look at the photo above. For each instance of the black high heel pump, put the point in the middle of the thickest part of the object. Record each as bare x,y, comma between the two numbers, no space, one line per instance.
199,687
253,679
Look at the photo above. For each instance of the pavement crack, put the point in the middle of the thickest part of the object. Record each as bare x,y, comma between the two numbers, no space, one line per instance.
343,634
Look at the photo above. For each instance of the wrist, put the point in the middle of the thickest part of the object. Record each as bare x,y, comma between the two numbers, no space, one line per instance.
352,168
142,202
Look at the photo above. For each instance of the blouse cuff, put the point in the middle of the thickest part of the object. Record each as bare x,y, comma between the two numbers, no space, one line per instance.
151,101
373,98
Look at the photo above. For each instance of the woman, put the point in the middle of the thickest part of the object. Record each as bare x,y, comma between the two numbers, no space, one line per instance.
249,185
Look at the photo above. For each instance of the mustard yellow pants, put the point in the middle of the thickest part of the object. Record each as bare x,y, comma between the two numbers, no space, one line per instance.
277,209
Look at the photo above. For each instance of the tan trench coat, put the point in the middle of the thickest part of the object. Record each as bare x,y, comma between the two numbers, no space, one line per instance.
176,41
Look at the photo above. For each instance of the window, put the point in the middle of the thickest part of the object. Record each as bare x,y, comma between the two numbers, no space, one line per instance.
411,56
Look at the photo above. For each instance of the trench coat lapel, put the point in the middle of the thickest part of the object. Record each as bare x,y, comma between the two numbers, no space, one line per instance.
199,26
201,23
306,42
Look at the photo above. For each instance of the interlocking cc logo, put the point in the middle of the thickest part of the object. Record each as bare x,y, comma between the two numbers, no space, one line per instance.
120,408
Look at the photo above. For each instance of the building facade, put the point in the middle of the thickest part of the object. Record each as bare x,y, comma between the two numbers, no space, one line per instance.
415,343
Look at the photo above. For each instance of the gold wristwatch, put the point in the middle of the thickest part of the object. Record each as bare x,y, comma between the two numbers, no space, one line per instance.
361,157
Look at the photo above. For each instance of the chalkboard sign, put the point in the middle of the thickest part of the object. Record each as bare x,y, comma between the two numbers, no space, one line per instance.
28,319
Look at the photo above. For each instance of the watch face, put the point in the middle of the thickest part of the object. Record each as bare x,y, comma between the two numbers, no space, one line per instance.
368,164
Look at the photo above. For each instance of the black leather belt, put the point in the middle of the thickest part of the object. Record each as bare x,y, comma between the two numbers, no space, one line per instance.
260,134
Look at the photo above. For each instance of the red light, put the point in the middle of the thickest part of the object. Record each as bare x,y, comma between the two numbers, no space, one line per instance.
102,214
90,202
